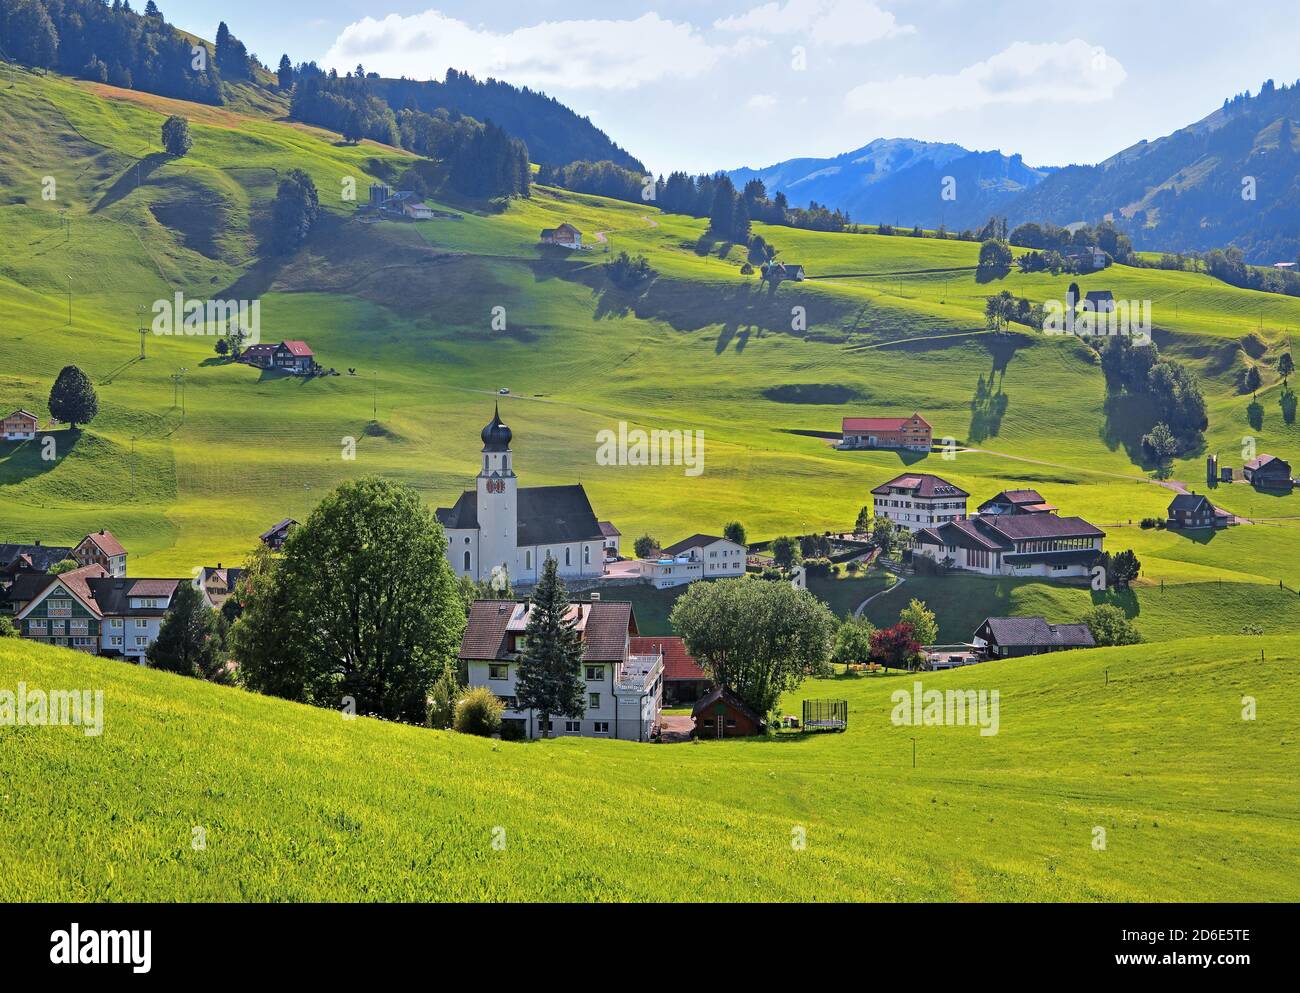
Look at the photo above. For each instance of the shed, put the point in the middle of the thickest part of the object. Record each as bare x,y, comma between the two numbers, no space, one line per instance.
721,714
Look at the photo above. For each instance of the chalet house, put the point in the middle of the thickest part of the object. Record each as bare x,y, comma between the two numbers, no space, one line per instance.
294,357
21,425
96,613
1268,472
1017,502
1088,259
1099,302
613,536
908,433
917,500
1014,545
1015,637
721,714
407,203
565,236
16,560
775,272
261,355
218,583
701,556
684,680
102,549
624,689
1191,511
275,537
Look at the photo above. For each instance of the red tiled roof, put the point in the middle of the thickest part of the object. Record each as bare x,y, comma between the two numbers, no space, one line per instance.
106,542
298,348
880,423
678,662
154,587
605,626
609,531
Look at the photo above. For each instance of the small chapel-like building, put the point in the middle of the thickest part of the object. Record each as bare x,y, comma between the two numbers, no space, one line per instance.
499,526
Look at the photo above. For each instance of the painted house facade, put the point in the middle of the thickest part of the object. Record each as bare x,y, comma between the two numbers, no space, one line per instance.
500,526
917,500
904,433
624,689
1023,545
21,425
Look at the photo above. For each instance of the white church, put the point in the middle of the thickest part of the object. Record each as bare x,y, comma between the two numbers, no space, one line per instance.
500,524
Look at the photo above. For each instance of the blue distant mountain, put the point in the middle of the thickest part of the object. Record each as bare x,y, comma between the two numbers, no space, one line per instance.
902,181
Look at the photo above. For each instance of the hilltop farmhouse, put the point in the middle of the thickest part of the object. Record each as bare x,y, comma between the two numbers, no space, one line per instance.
564,236
1268,472
624,688
500,526
21,425
906,433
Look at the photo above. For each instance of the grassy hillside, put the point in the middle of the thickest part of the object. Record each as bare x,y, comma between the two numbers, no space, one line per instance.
187,479
295,803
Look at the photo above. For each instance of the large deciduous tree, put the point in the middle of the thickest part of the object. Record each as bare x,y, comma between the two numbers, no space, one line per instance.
756,639
296,208
176,136
362,606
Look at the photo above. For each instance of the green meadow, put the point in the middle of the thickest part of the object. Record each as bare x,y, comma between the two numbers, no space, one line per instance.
1114,775
189,472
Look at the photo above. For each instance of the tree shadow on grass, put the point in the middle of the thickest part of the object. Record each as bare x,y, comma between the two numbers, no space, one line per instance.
22,460
135,175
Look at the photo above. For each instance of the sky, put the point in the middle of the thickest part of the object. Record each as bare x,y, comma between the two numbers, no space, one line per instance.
703,86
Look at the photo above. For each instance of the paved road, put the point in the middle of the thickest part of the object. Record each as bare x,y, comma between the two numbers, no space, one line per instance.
863,605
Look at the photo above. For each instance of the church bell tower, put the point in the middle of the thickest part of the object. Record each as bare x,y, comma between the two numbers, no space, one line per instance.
498,503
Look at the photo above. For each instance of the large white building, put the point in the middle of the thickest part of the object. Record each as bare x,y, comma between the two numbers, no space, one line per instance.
623,691
1032,544
501,527
701,556
918,500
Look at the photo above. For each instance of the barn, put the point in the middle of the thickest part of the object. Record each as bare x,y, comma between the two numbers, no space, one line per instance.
721,714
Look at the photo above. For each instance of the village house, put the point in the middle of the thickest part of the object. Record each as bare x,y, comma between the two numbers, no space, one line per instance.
500,527
917,500
777,272
564,236
36,558
721,714
260,355
90,611
613,537
21,425
1020,545
1268,472
274,537
1192,511
701,556
907,433
102,549
624,688
1015,637
1017,502
217,584
684,680
1089,258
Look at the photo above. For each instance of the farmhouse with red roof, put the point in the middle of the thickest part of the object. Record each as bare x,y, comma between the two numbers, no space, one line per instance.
912,434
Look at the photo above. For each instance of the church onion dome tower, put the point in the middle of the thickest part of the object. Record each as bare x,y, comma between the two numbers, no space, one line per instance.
497,436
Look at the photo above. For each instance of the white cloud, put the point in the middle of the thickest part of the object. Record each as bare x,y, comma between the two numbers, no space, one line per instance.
604,54
1072,72
827,22
761,101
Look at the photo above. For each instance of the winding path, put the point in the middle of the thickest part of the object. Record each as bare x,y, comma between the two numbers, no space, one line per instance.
863,605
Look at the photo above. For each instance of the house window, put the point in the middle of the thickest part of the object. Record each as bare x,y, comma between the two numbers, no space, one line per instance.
141,624
58,608
600,727
141,642
593,701
498,672
595,673
115,623
467,559
586,555
568,556
546,725
573,727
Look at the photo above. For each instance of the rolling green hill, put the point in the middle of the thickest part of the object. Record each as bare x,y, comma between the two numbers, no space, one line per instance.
295,803
188,477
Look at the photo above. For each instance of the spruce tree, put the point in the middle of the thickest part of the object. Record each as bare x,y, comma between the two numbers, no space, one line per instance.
550,671
72,398
191,640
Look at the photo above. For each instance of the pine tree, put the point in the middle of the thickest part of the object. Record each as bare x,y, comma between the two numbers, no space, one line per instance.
550,671
72,397
191,639
284,73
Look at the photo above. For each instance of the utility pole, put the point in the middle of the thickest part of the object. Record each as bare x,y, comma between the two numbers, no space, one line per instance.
141,328
133,467
184,370
69,301
374,415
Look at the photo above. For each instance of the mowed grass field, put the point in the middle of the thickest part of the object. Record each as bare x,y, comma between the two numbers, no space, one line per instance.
189,476
1145,749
